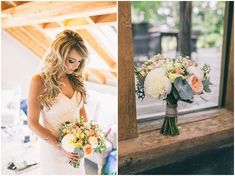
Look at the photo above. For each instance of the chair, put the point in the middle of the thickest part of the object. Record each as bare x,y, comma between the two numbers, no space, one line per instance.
11,95
102,108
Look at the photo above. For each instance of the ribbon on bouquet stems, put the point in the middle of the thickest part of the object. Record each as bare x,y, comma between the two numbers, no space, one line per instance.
169,127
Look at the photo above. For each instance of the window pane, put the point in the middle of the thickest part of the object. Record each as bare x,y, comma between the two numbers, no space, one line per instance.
156,27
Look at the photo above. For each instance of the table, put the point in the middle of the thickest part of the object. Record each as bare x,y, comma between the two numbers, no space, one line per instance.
166,34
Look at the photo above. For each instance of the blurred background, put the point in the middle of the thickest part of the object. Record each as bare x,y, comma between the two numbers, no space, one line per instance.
171,28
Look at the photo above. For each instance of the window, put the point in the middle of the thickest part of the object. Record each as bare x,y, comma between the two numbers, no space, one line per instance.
156,28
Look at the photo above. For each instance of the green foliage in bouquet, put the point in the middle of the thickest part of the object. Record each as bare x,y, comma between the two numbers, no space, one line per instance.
182,90
172,80
82,138
140,84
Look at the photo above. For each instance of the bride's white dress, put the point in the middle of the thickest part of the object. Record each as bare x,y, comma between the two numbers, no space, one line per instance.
53,161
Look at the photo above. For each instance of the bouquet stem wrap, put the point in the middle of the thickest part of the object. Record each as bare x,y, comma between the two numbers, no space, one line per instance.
169,127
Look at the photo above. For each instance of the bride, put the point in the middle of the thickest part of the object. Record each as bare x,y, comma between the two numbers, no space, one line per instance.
58,93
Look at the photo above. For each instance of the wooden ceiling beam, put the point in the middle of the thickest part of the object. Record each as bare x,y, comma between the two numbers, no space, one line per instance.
87,36
51,25
27,41
75,22
37,35
9,4
32,37
104,18
13,4
22,36
49,11
4,5
100,77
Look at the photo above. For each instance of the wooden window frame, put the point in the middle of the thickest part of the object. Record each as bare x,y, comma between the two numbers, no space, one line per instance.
201,131
127,121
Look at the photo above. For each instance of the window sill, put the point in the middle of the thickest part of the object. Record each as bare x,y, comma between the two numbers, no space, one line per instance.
150,149
188,117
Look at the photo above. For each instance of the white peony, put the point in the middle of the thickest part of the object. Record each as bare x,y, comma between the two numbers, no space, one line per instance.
157,84
196,71
67,142
93,141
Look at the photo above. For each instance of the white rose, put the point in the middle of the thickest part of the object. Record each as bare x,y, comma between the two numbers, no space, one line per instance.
93,141
157,84
67,142
196,71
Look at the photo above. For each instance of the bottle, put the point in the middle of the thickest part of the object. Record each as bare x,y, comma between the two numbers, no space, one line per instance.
26,133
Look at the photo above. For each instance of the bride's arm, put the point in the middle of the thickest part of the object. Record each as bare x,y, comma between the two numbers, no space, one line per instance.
34,107
83,113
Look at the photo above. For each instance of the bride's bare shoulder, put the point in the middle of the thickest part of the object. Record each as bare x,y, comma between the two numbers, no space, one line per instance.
37,83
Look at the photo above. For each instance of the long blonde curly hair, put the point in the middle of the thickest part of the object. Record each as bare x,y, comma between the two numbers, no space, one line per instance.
54,67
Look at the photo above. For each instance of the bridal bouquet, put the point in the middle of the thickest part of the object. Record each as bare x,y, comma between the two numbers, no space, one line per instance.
82,138
172,80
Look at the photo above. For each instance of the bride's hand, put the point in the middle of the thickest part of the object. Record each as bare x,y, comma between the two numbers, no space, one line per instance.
71,156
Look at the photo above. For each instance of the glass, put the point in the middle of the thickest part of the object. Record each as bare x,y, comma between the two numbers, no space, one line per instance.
155,29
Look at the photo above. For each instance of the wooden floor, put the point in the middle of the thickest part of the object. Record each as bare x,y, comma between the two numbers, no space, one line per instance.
151,107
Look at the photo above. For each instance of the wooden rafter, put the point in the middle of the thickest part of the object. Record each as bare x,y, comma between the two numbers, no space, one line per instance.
98,48
83,23
32,37
96,30
75,22
4,5
104,18
29,20
51,25
9,4
49,11
38,36
22,36
100,77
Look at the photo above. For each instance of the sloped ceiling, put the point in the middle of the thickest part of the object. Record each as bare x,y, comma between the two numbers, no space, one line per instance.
36,23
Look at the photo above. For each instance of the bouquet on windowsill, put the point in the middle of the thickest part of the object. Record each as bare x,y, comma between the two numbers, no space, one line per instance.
172,80
82,138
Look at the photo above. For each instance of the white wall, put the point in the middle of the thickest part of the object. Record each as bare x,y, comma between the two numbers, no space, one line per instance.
18,63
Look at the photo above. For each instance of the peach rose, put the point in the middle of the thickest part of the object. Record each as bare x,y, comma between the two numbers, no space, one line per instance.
196,84
177,71
88,149
188,63
92,132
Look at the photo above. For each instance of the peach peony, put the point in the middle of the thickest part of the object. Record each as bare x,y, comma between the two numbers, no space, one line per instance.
196,84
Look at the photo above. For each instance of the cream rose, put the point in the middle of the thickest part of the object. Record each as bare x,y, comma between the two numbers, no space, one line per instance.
93,141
